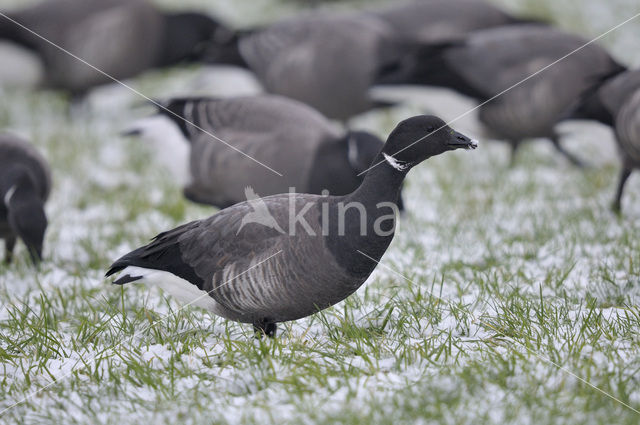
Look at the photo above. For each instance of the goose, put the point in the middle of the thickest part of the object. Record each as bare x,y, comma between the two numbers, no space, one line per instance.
25,183
501,62
121,38
325,250
285,135
326,60
441,20
616,103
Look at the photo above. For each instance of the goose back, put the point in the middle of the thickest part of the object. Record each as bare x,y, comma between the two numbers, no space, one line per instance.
436,20
526,66
328,61
119,37
495,59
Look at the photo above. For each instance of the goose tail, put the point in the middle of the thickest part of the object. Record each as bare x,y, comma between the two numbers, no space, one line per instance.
161,254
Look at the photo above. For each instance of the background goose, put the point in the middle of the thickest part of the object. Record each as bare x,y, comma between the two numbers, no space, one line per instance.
290,137
440,20
119,37
490,61
326,60
25,182
617,103
257,274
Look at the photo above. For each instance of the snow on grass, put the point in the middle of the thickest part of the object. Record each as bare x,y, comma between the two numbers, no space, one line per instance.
495,273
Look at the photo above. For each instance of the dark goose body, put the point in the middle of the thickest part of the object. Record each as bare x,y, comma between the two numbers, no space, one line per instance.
120,37
290,137
490,61
326,60
25,183
265,271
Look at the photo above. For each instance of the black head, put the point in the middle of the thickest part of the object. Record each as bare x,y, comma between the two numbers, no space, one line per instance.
421,137
26,215
225,50
189,34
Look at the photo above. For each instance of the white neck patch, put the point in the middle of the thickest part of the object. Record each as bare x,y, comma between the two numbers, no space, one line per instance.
9,194
398,165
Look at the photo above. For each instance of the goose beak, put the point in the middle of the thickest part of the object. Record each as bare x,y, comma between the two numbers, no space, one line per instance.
460,141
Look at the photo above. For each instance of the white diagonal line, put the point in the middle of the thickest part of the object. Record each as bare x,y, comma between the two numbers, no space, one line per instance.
113,347
510,88
128,87
538,355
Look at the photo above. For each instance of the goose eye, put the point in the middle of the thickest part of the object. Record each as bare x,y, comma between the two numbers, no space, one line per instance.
430,129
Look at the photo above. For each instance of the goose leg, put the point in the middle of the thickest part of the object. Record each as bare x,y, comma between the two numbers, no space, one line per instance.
265,327
572,158
9,244
514,149
624,175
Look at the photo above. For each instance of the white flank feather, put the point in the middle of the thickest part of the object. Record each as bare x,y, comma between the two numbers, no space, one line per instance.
183,290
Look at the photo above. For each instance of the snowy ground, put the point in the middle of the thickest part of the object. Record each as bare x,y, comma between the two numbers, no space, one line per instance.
510,295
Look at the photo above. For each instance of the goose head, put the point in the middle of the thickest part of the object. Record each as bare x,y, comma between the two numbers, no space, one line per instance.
419,138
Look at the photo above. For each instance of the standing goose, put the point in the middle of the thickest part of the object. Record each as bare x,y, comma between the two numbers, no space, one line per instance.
491,61
318,252
25,183
617,103
441,20
120,37
290,137
325,60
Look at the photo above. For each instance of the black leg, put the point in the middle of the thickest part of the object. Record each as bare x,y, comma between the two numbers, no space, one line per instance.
514,149
265,327
9,244
617,202
572,158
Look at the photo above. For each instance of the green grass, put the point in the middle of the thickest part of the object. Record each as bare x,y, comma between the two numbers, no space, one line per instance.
501,286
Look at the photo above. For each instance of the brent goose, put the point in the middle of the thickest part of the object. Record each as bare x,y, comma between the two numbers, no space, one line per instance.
490,61
310,152
120,37
25,182
440,20
616,103
321,250
326,60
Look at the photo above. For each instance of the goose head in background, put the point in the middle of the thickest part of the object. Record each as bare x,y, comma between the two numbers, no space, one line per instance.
188,34
25,210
